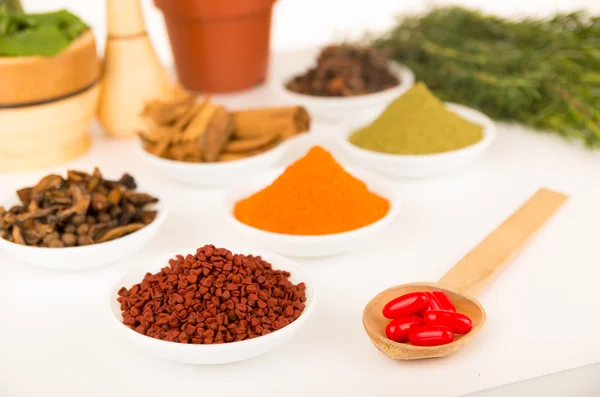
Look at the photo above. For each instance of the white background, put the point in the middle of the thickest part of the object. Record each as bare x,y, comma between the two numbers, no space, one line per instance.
304,23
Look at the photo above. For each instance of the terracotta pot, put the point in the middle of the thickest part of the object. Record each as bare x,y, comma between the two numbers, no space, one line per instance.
219,45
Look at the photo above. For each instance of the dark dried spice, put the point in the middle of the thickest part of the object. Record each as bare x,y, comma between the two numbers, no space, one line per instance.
25,195
343,71
212,314
48,182
128,181
80,210
120,231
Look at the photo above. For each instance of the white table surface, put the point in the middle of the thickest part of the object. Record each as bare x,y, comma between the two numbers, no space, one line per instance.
57,338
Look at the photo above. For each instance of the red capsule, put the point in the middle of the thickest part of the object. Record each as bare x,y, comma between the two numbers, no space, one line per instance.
445,302
430,335
457,322
397,329
432,304
405,305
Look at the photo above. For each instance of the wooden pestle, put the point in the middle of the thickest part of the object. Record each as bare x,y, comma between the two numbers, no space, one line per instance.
132,72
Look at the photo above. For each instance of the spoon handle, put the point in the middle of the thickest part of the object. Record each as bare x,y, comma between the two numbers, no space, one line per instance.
474,271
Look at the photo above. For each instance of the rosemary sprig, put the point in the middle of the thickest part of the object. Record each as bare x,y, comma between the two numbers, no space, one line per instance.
544,73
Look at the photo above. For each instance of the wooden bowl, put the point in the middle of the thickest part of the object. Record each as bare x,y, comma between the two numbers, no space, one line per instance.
41,136
374,323
32,80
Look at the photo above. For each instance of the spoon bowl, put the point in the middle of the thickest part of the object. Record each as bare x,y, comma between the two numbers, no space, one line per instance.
375,323
465,280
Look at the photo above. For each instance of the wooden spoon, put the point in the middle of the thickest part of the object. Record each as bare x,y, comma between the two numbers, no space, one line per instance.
466,279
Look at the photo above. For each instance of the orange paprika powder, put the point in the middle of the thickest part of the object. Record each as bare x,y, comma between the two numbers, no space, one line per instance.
313,196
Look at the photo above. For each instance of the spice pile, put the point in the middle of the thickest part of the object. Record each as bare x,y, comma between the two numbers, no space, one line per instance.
424,319
343,71
544,73
213,296
181,129
417,123
313,196
80,210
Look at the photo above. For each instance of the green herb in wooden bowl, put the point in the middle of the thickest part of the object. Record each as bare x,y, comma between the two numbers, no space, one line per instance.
38,34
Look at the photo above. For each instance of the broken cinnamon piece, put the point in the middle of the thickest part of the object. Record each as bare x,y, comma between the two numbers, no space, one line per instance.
178,92
166,113
158,134
198,125
249,144
217,134
189,151
159,148
227,156
185,120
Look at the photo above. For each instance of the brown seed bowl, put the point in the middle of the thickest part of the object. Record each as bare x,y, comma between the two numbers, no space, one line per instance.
374,323
222,353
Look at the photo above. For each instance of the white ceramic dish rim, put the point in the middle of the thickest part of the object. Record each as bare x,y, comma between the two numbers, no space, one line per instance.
219,166
404,73
489,134
269,257
364,176
161,216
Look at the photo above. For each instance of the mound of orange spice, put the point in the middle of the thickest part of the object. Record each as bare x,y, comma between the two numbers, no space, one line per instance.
313,196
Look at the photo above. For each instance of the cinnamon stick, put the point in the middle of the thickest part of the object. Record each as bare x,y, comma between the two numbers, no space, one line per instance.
256,122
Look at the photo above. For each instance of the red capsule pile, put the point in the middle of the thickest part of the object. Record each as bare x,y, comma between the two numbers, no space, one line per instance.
424,319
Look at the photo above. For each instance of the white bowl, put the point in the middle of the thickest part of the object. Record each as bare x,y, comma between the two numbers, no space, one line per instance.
216,174
217,353
88,256
426,165
311,246
336,109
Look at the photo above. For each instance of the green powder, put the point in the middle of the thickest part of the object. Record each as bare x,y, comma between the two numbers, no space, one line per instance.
417,123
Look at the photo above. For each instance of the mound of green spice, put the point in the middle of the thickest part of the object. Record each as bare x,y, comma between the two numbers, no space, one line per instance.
38,34
542,72
417,123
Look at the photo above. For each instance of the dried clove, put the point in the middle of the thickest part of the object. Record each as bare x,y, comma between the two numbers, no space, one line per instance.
80,210
345,70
